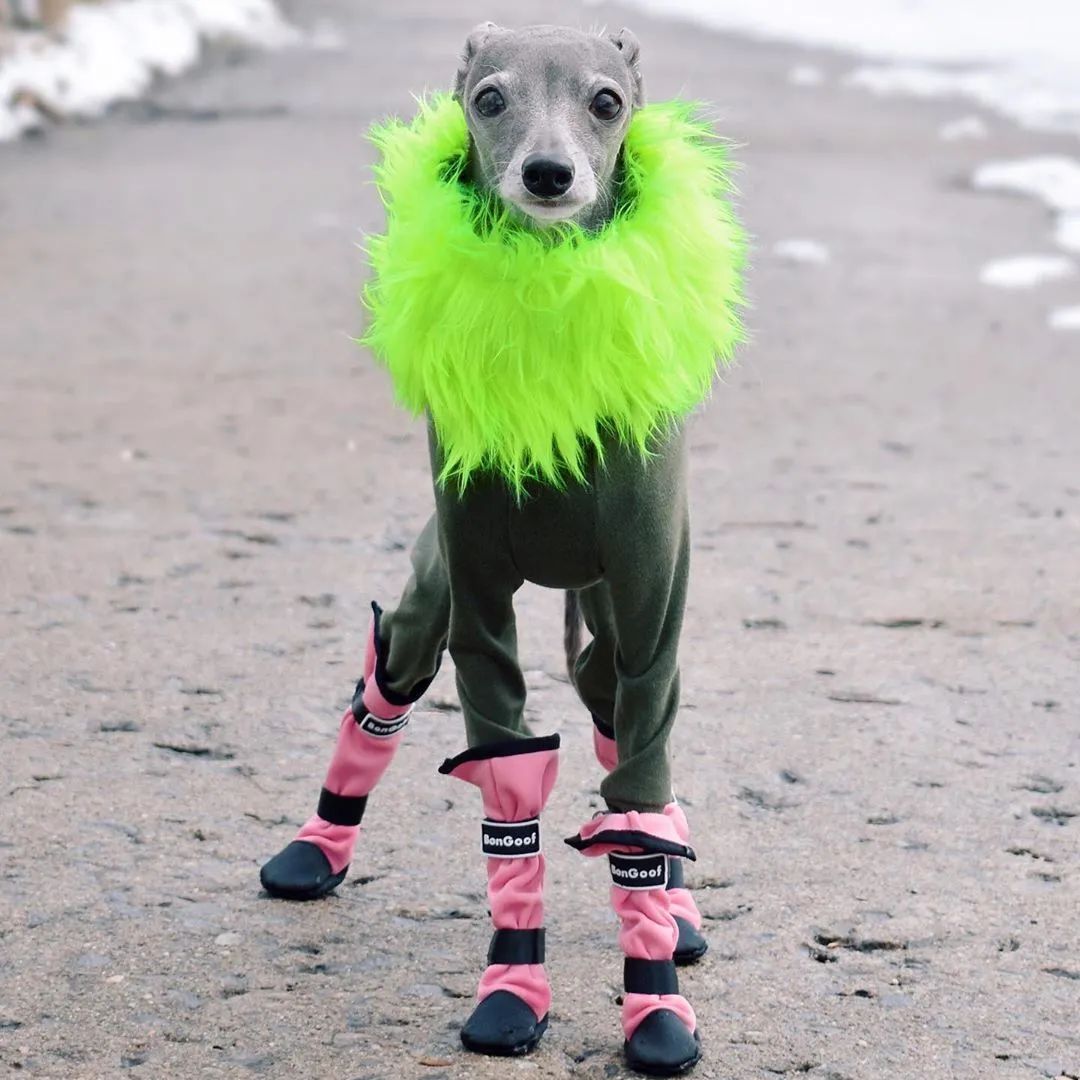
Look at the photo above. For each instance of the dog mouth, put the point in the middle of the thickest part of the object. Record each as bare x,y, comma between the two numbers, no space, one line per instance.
561,208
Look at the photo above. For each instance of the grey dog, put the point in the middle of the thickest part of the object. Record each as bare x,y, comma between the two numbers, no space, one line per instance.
548,110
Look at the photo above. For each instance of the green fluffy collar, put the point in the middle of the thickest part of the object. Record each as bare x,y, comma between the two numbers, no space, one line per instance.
524,346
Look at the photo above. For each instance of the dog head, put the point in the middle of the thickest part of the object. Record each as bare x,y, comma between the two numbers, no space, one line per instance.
548,108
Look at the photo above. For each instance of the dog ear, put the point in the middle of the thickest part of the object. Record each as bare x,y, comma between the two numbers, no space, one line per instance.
630,47
477,36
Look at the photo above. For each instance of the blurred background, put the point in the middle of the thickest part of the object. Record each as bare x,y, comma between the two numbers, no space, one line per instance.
204,482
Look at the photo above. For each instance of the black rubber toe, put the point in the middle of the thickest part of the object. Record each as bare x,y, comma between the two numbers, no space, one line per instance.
502,1025
300,871
692,945
662,1046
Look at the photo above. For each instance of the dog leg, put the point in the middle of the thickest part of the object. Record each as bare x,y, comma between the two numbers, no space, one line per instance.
515,779
409,640
692,944
658,1022
595,677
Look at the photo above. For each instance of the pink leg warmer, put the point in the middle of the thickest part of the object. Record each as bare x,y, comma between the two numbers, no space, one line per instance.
638,845
682,901
515,780
367,741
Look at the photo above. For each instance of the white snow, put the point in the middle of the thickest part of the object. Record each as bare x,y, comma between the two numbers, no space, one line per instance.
1026,271
1054,179
964,127
1067,233
934,30
809,252
1065,319
111,51
1021,58
1041,96
806,75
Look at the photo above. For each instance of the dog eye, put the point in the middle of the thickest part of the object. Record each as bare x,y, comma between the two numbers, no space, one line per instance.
606,105
489,102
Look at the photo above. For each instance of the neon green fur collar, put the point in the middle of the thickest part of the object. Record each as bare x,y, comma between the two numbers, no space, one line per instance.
525,346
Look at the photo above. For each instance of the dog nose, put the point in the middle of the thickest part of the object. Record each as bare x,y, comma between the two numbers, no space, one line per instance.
547,177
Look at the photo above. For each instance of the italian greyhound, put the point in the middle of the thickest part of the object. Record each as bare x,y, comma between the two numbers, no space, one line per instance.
547,110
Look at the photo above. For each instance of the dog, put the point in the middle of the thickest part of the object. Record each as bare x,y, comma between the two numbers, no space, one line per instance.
548,110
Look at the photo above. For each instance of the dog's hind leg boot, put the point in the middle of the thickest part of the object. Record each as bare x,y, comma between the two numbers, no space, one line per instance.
692,944
658,1022
515,779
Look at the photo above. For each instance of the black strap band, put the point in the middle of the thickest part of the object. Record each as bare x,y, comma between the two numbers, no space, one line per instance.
506,748
341,809
675,879
650,976
516,947
633,839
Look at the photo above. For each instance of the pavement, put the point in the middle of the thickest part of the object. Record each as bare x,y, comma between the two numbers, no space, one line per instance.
203,483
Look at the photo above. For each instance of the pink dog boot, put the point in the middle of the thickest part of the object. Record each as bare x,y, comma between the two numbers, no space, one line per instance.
316,862
515,779
658,1022
692,944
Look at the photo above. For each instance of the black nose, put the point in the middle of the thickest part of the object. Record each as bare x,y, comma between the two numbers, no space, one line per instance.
547,177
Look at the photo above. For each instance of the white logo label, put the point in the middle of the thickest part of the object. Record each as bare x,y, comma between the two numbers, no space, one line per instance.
383,729
638,871
510,839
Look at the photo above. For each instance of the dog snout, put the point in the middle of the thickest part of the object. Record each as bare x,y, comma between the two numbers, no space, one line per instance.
547,176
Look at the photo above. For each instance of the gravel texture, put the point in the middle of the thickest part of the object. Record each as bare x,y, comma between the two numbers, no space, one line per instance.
203,483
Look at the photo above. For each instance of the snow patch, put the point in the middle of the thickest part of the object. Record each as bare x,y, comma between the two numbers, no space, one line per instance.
112,51
1026,271
1067,232
808,252
1053,179
1067,318
1031,97
965,127
806,75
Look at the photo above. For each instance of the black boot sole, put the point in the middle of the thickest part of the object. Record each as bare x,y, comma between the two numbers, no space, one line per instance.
656,1070
276,876
517,1050
662,1037
500,1014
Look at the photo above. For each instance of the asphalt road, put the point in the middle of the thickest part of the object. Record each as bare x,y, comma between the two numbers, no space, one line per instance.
203,482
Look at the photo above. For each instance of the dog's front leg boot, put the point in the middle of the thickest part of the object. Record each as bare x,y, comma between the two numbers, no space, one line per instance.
515,779
318,859
658,1022
692,944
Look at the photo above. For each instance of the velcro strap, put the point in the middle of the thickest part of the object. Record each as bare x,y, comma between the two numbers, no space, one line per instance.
341,809
516,947
510,839
382,729
650,976
638,871
675,879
